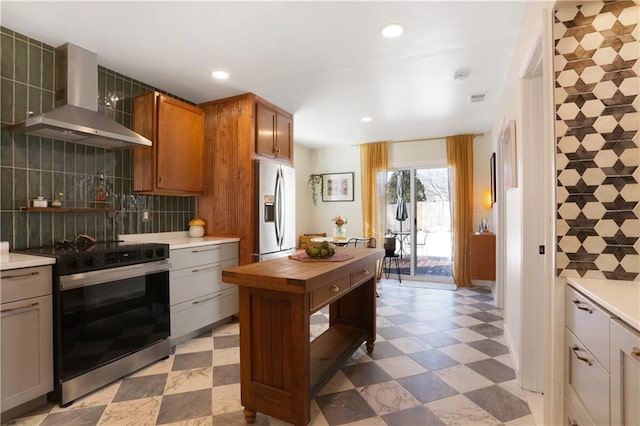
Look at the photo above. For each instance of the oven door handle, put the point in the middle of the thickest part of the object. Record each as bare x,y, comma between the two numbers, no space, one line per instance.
86,279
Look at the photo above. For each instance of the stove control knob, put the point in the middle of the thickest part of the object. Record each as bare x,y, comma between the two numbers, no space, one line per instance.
160,252
148,253
72,263
89,261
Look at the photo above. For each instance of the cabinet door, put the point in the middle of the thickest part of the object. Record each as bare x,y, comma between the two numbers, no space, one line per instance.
625,375
265,131
284,137
27,350
180,146
483,257
144,123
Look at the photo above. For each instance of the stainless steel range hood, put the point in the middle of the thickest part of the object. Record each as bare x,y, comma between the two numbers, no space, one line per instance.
76,117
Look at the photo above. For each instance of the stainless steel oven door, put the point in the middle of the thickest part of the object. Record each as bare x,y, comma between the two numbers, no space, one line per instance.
107,314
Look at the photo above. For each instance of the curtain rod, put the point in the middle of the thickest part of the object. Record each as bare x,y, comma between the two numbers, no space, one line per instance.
417,140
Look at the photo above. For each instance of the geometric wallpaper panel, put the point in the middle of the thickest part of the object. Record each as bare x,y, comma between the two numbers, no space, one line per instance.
597,140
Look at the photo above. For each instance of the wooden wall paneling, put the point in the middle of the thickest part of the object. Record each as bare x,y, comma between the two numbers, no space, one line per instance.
227,205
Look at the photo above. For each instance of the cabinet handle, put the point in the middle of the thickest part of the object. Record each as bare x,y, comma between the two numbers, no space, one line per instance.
635,353
204,250
365,271
16,277
575,350
205,300
582,308
205,269
334,289
20,308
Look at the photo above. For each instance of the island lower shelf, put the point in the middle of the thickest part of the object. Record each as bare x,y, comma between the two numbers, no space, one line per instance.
330,350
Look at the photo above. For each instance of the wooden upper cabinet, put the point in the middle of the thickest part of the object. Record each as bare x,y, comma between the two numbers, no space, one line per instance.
274,133
175,162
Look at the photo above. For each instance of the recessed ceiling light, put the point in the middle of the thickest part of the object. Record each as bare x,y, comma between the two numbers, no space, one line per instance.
366,119
220,75
392,30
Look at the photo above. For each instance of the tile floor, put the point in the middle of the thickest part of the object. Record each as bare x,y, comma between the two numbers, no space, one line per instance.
440,359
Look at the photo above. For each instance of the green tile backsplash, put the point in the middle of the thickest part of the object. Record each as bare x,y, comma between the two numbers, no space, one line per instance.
32,166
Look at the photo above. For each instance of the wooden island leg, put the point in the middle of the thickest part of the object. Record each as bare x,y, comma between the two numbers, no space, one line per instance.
370,344
249,415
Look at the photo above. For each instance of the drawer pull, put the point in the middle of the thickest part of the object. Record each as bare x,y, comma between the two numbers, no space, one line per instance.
204,250
16,277
334,289
582,308
365,271
20,308
635,353
575,350
205,300
212,268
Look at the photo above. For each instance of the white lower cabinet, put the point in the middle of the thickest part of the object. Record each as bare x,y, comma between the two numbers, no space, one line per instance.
602,365
26,337
625,374
198,296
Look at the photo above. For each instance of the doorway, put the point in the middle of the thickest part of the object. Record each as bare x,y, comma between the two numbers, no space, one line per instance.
419,218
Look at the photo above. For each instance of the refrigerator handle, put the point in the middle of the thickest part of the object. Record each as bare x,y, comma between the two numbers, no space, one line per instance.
278,207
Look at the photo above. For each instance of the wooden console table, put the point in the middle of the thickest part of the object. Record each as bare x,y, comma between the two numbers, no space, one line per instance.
280,369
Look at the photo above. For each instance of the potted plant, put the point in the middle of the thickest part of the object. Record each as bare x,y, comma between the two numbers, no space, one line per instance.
314,180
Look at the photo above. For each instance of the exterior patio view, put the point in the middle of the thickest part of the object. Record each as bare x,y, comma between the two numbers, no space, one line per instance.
424,243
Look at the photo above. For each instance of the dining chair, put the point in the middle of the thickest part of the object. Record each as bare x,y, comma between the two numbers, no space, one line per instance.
361,242
390,256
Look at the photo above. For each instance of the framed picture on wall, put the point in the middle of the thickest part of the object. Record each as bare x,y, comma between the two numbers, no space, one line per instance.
508,143
337,187
492,175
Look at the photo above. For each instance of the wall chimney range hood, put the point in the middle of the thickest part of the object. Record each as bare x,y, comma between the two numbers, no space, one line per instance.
76,117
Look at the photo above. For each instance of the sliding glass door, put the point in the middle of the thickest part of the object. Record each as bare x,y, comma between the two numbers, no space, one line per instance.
419,219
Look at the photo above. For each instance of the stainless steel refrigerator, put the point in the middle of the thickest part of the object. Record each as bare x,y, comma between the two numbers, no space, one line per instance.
276,201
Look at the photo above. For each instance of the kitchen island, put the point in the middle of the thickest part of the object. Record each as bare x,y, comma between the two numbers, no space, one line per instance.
280,368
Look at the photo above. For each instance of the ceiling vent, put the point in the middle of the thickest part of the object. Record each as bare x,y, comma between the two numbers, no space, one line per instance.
477,97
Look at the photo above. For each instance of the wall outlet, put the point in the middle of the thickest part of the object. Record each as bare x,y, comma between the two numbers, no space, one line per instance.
146,215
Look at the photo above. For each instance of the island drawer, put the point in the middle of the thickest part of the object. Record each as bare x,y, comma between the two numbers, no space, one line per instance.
328,293
362,274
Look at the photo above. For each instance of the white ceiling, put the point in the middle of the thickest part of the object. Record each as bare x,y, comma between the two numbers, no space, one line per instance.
325,62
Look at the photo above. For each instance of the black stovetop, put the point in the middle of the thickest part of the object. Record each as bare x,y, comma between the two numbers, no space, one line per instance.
82,255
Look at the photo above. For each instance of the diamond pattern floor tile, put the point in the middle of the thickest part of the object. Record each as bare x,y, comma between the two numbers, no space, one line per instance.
453,368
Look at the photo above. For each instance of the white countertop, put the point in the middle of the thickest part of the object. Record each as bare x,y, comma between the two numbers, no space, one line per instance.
621,298
176,240
10,260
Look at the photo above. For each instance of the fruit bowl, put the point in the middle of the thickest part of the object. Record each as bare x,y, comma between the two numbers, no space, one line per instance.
320,250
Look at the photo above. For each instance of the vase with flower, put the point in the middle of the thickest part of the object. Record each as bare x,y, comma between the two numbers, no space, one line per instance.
340,231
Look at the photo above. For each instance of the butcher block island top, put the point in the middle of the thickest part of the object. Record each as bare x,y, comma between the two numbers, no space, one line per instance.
280,368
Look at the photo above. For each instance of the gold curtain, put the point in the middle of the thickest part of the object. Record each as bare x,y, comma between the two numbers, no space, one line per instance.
460,163
373,161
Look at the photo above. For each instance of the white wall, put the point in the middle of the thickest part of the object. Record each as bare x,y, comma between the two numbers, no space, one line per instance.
314,219
509,203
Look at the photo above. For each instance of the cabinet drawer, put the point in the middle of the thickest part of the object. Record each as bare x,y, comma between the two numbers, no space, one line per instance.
193,256
24,283
328,293
190,283
587,380
589,323
362,274
195,314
